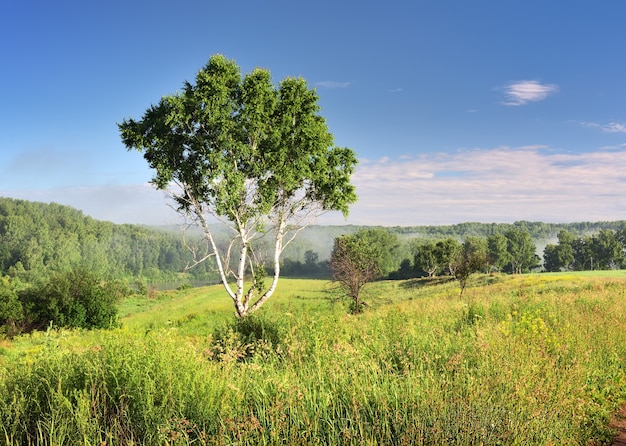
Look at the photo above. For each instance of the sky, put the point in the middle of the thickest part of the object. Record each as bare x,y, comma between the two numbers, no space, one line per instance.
458,110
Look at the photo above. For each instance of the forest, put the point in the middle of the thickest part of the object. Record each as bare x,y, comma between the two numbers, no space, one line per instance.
39,239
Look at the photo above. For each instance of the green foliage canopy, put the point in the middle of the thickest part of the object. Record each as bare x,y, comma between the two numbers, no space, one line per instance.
75,299
521,249
38,240
604,250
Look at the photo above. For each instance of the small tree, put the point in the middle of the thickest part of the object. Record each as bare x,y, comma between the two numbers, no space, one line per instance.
551,259
354,263
472,259
449,252
255,156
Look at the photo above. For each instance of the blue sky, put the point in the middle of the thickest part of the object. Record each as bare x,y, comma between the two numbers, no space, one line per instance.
490,111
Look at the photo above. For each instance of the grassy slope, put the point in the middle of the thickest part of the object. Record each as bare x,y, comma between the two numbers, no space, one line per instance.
532,359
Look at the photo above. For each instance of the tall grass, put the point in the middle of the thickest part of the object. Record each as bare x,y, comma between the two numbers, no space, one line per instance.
520,360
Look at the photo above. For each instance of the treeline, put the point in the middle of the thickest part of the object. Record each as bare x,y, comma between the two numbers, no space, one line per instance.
537,230
604,250
46,250
410,246
38,240
514,250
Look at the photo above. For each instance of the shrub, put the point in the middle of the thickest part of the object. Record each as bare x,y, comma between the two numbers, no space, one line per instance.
75,299
246,337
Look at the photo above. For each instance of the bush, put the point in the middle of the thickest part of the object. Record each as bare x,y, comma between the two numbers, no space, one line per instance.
11,310
75,299
245,338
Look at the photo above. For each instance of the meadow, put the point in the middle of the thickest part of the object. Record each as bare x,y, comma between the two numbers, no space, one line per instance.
523,359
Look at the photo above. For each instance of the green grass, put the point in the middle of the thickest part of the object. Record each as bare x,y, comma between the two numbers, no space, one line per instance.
532,359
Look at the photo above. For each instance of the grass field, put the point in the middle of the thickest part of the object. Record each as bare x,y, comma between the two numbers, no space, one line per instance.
529,359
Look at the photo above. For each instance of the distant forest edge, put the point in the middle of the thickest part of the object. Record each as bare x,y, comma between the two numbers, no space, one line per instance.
39,239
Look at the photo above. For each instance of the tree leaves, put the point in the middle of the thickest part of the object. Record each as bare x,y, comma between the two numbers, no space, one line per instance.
246,151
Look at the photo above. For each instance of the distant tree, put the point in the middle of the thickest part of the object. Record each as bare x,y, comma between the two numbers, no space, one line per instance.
497,251
551,260
560,256
449,251
311,267
583,253
607,249
354,262
256,156
311,258
406,271
621,236
566,249
477,245
473,258
428,259
385,245
521,250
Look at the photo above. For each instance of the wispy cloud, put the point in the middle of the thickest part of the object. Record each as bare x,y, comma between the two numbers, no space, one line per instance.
332,84
33,163
611,127
130,203
50,167
523,92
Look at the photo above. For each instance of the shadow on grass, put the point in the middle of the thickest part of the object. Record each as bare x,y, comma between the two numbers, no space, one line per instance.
423,282
476,280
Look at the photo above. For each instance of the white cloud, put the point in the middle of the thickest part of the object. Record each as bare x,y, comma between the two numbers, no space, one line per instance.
333,84
502,184
615,127
611,127
523,92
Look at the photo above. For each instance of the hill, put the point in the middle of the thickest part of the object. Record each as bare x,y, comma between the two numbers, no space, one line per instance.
38,239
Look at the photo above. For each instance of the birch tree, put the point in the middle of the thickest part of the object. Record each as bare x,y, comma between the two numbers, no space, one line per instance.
256,156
